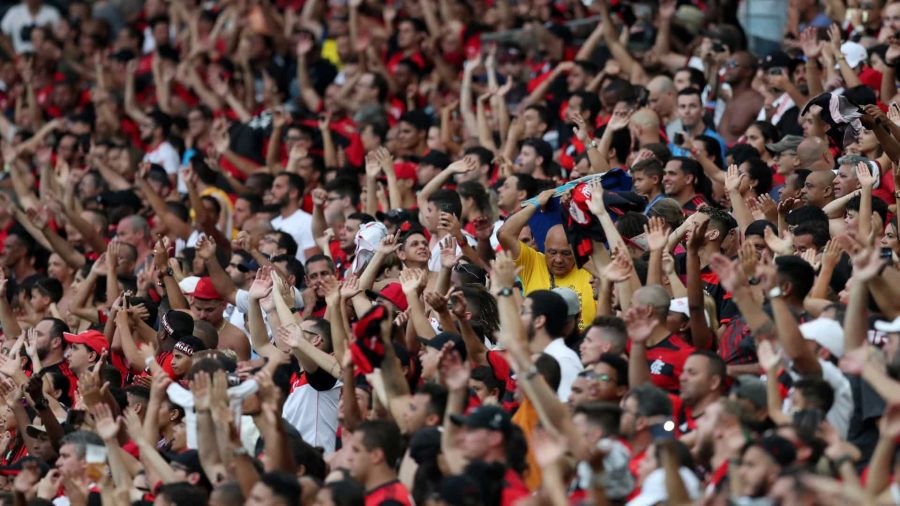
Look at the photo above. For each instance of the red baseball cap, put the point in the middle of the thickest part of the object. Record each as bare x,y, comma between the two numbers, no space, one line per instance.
404,170
93,339
205,290
392,292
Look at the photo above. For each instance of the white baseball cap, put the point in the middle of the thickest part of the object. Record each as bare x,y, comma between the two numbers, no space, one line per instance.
828,333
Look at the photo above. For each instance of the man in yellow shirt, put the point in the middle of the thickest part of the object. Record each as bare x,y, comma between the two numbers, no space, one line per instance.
555,267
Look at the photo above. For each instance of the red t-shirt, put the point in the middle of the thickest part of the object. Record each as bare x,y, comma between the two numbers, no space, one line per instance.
514,488
392,492
666,361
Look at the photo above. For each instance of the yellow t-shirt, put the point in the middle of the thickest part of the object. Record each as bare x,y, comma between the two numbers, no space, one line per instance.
536,276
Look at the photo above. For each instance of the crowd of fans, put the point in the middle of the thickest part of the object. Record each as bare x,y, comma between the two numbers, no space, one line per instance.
449,252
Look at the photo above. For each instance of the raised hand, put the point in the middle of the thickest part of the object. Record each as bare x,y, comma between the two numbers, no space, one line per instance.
350,287
812,47
454,372
105,425
290,335
867,264
464,165
783,245
262,284
733,178
832,254
865,176
619,121
640,324
449,258
503,271
730,274
580,129
769,359
595,204
657,233
206,247
388,245
437,302
412,281
620,268
697,232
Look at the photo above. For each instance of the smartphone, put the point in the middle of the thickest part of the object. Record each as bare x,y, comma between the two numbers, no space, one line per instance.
887,253
718,47
777,71
445,208
678,139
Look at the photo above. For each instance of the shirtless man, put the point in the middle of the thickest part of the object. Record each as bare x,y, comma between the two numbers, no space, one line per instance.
745,102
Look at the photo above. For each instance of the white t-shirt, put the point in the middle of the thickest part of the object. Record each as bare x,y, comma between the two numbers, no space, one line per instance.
166,156
18,20
299,225
312,408
569,366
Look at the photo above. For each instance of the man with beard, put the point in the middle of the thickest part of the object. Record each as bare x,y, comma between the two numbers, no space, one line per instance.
50,347
286,194
155,134
702,381
761,463
745,102
206,304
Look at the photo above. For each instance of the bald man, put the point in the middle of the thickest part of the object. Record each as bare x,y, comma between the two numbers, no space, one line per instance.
662,97
645,127
745,102
818,190
814,154
555,267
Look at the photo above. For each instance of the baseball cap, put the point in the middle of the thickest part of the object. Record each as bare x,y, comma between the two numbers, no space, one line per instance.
680,305
437,342
751,388
190,345
854,53
189,284
205,290
93,339
404,170
248,266
392,292
435,158
777,59
787,143
572,302
177,323
36,430
485,417
828,333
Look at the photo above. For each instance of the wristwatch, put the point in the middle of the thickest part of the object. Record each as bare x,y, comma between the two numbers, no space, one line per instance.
776,292
505,292
594,144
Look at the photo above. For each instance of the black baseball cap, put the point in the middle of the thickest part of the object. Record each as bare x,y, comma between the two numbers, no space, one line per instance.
777,59
177,323
437,342
485,417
